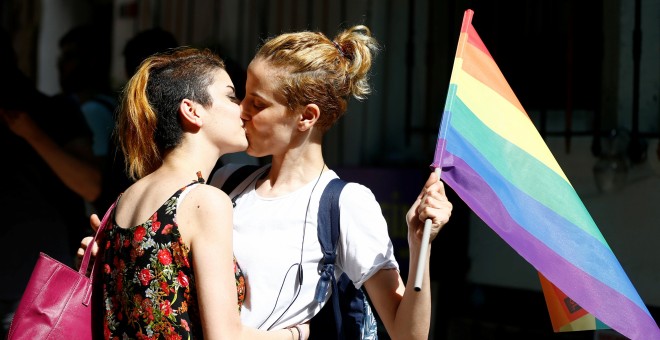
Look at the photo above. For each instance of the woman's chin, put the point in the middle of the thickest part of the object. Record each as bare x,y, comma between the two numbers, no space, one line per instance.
255,153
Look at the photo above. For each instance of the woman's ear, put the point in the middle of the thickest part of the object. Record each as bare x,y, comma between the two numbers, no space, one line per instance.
189,113
309,116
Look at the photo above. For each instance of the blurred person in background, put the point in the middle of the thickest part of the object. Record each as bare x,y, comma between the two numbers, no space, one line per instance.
45,145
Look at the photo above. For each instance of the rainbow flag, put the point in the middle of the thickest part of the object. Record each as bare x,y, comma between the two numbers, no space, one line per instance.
492,155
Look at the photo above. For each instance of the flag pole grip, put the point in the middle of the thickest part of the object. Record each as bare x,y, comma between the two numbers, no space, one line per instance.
421,262
424,248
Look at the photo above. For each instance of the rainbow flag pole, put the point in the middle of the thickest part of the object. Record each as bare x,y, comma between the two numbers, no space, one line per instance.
493,157
424,248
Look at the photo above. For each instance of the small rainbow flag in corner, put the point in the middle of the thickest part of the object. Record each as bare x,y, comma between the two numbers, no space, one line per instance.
565,314
492,155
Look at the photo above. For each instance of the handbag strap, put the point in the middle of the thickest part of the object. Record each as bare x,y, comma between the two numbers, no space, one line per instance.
88,251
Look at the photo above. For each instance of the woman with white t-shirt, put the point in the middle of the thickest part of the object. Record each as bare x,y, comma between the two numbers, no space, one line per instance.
298,86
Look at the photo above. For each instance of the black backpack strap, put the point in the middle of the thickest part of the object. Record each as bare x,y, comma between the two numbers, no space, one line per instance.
328,235
237,177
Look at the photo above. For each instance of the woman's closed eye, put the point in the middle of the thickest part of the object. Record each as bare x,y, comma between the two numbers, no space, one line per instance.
258,105
234,99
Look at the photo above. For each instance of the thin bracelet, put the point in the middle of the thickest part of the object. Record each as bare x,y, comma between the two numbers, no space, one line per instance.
292,336
301,334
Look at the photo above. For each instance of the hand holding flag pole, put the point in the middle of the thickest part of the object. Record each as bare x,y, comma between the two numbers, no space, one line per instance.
424,248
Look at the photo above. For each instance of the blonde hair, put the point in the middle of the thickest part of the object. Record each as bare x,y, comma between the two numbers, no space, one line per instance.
315,69
148,121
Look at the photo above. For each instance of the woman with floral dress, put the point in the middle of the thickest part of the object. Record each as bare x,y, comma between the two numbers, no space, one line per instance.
167,265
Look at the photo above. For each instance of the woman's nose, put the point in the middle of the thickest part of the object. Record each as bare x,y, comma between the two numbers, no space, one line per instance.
244,114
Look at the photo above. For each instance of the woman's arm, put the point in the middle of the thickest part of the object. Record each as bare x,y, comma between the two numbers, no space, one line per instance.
405,312
207,215
72,164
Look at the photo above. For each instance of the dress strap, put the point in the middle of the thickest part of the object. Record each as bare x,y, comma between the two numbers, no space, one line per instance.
186,190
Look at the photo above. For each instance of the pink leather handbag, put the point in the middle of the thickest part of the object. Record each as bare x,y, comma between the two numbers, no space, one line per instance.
56,303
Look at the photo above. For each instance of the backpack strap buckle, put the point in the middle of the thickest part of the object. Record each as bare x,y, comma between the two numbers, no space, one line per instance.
327,278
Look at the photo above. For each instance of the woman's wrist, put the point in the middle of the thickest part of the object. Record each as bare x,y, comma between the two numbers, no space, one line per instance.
301,332
297,334
414,240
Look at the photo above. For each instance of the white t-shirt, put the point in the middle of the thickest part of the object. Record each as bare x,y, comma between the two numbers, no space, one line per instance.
268,243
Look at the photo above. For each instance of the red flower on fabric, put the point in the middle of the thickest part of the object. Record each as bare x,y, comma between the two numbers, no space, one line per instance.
106,331
140,232
164,287
106,268
133,254
120,281
137,298
184,323
164,257
148,309
166,308
240,288
179,257
167,229
145,276
136,252
146,305
155,225
183,279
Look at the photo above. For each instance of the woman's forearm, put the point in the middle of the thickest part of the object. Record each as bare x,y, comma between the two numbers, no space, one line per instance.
413,319
405,313
79,175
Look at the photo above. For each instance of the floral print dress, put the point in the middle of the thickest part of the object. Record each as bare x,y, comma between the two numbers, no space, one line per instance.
148,281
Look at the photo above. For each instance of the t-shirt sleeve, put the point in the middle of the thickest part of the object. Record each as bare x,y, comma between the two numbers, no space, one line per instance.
365,246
